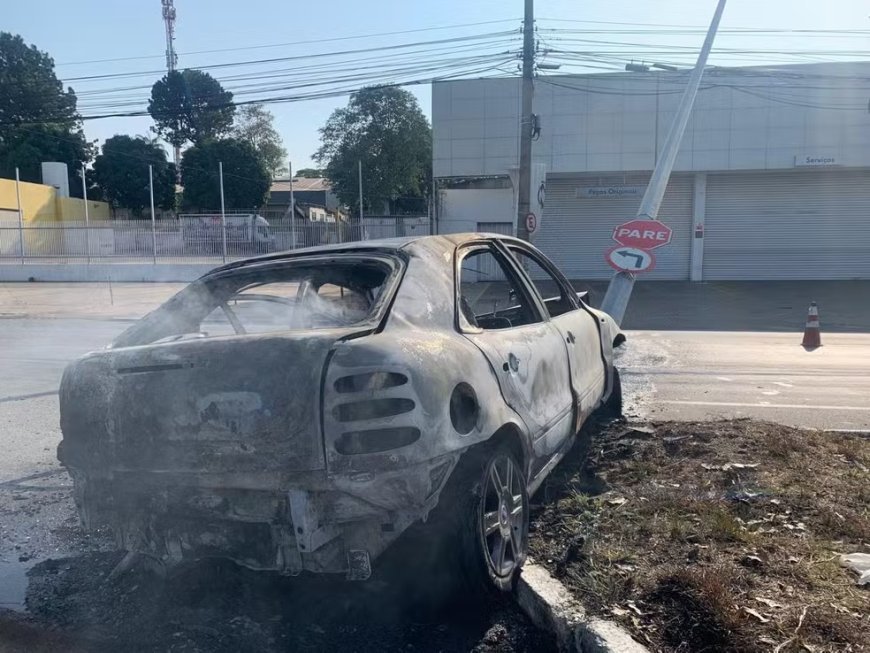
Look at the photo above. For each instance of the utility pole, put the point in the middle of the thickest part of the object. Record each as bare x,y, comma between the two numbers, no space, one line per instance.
619,291
359,169
223,213
524,178
171,63
87,214
153,217
20,214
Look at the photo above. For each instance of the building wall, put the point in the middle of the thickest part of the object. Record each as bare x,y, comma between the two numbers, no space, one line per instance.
72,208
41,203
463,209
743,119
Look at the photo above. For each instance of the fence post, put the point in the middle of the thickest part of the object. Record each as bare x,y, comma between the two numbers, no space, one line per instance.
153,221
20,215
223,212
292,208
87,219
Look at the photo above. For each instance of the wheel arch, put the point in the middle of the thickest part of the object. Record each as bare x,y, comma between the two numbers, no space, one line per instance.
510,435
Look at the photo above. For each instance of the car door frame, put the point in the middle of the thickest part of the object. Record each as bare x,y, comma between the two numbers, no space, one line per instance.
572,296
540,462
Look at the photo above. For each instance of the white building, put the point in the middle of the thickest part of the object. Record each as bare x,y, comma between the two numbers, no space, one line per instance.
772,180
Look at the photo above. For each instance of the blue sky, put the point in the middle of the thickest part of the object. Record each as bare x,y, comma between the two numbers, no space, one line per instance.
88,30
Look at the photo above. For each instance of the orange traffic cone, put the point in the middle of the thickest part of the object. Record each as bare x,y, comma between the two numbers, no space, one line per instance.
812,333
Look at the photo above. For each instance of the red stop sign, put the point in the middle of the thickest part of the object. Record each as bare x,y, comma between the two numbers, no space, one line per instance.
643,234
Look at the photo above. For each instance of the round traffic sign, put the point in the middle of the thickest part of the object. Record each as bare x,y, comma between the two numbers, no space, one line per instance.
630,259
531,222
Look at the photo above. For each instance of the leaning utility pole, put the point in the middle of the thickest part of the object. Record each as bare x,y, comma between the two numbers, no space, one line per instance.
619,291
524,178
171,63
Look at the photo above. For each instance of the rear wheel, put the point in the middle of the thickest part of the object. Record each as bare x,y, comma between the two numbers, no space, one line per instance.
501,521
482,520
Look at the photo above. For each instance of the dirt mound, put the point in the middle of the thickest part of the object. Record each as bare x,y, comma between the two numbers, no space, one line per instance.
714,536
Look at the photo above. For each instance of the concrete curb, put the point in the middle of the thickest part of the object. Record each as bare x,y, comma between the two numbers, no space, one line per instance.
550,606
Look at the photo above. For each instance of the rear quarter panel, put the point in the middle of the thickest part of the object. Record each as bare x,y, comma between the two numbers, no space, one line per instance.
435,363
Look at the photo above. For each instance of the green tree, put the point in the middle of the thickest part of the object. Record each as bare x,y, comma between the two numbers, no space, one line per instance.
385,129
121,173
246,179
190,107
38,118
255,125
311,173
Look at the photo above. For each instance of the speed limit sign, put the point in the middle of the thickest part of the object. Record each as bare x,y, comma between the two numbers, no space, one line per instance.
531,222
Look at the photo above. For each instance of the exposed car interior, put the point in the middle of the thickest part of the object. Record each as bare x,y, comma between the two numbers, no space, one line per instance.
265,299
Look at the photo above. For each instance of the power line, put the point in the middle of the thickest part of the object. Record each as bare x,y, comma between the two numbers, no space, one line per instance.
316,94
706,87
385,48
380,76
318,68
377,75
695,27
307,42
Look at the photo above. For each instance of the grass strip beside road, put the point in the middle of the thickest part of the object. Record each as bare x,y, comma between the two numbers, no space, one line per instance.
714,536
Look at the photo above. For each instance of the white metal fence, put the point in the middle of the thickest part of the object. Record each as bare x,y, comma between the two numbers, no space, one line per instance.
191,239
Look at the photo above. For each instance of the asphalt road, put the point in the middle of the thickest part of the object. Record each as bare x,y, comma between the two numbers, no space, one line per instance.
695,375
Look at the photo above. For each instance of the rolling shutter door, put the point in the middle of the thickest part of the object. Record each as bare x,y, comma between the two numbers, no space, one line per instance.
788,225
576,230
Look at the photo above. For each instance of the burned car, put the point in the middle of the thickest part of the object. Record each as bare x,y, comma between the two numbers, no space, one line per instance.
299,411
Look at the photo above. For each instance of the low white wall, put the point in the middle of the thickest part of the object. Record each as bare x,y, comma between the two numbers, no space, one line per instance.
103,272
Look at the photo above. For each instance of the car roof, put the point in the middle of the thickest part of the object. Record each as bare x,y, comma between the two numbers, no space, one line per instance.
441,241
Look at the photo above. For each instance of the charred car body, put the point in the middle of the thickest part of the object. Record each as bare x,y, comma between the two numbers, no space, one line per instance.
300,411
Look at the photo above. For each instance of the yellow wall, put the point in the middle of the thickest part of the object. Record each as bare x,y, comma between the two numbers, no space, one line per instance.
41,203
72,208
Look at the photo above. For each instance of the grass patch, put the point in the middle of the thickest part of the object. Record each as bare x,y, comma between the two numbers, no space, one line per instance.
714,536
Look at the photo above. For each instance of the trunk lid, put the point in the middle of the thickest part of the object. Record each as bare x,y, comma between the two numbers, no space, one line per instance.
203,405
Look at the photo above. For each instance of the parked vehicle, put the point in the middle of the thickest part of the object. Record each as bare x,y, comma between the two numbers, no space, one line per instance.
246,233
299,411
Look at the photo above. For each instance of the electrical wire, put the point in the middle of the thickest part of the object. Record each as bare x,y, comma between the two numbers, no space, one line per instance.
280,45
384,48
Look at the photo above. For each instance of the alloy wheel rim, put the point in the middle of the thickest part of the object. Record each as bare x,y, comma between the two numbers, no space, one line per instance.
502,516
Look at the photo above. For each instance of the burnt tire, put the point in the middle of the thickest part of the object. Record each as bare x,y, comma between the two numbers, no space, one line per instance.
483,519
612,408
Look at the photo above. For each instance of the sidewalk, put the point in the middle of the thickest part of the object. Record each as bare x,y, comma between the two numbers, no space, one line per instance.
83,300
844,306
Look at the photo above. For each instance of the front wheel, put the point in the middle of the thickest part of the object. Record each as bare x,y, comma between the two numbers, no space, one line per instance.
612,408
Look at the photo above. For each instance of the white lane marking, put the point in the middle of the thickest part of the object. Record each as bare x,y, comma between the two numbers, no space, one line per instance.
765,404
783,384
770,393
723,378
